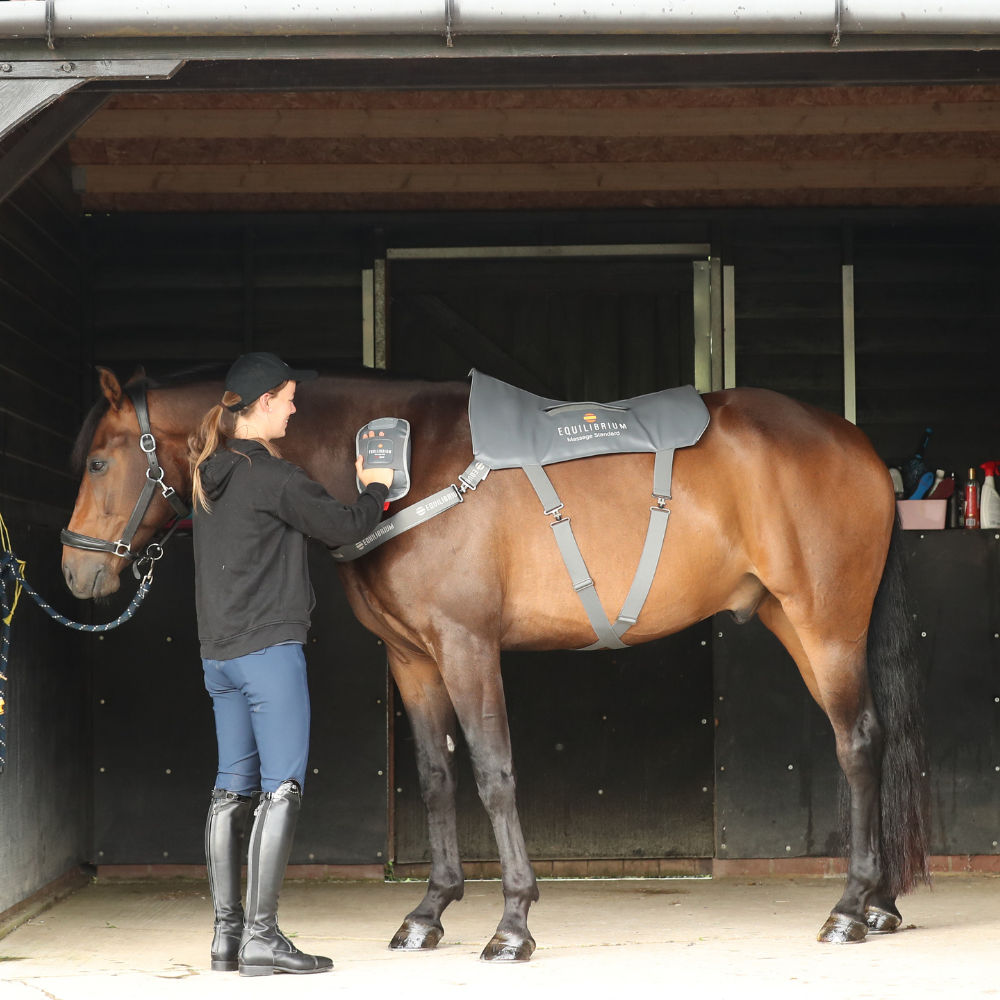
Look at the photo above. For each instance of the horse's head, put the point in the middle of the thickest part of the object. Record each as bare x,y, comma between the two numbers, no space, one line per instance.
121,502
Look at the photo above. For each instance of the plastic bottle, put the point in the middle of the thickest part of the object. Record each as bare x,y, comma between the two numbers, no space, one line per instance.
989,507
897,482
954,504
972,500
913,467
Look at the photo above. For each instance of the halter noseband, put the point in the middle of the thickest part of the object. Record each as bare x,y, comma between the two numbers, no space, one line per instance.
154,478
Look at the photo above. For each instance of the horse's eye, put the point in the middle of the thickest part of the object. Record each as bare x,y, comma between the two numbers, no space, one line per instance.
96,465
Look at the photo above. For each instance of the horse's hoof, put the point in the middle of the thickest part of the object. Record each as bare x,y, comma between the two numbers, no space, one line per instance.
842,929
507,948
882,921
413,936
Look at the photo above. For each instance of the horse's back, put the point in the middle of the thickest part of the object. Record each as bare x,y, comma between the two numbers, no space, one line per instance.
776,491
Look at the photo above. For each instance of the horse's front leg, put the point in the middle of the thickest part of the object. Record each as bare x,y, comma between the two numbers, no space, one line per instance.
432,719
471,669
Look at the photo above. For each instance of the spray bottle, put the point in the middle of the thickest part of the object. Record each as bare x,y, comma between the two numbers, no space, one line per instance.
972,500
989,509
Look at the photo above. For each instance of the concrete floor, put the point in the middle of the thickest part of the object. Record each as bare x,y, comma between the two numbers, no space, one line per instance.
720,938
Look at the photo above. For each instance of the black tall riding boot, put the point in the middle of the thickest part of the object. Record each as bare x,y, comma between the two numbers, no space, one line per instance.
224,830
264,949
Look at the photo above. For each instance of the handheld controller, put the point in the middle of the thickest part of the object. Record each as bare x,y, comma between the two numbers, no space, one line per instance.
385,443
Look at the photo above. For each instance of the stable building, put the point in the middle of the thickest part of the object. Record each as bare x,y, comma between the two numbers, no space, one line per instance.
589,204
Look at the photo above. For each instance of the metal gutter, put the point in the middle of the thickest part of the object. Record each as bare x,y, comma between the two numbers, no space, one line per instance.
55,20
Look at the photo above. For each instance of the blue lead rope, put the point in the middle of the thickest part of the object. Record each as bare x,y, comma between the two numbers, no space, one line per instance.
11,582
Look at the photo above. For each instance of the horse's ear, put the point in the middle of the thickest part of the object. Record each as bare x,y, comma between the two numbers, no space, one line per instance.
110,387
139,373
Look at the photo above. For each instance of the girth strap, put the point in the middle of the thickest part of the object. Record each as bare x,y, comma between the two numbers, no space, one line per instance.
608,634
583,584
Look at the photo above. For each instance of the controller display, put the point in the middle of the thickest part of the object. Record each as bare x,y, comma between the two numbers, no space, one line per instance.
385,443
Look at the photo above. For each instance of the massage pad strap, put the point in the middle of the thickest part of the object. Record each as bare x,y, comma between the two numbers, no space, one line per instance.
608,635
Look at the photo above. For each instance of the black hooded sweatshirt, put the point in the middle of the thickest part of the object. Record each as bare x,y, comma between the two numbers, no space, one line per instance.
252,586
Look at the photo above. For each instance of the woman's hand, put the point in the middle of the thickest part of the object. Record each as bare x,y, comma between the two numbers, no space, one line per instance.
382,475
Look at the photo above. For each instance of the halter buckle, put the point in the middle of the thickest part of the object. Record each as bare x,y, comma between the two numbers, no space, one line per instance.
167,491
147,443
122,549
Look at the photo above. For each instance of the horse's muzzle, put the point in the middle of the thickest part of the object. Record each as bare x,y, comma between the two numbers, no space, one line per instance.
88,576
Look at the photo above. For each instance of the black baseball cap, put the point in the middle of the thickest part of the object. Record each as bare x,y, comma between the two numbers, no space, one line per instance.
251,375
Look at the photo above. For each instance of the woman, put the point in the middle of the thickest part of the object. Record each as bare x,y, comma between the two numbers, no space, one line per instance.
252,514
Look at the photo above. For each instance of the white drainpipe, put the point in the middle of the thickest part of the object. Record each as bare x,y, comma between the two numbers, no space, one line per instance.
68,19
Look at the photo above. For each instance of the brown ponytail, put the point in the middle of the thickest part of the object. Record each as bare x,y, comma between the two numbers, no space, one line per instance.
204,442
215,426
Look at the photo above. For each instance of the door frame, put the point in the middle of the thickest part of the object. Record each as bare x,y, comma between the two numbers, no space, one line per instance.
714,343
710,353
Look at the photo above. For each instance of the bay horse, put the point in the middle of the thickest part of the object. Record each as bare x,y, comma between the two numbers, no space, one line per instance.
754,529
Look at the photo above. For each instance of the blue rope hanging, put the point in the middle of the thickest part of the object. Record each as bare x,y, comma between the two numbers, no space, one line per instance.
12,582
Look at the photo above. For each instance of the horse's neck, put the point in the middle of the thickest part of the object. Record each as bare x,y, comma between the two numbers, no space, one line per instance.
175,413
320,435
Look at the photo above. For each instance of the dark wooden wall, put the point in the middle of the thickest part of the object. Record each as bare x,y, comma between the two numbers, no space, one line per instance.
177,290
926,304
45,792
172,290
928,337
789,314
40,318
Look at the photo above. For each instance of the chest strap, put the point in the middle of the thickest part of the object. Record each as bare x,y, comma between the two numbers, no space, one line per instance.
609,633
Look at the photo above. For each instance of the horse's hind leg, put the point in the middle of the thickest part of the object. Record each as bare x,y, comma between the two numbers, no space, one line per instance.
859,750
432,719
836,674
471,670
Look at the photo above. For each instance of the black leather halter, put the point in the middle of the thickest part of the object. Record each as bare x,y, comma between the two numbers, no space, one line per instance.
154,477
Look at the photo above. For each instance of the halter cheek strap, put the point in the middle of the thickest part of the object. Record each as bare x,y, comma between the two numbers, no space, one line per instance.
154,478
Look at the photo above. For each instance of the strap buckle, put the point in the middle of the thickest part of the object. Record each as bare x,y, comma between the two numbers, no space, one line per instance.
475,474
167,491
122,550
147,443
153,553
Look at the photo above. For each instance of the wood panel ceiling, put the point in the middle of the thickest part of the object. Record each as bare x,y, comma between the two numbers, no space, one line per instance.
435,150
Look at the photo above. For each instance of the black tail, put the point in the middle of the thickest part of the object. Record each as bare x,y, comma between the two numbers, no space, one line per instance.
896,688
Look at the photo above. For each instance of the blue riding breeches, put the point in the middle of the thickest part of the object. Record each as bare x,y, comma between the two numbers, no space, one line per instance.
261,703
